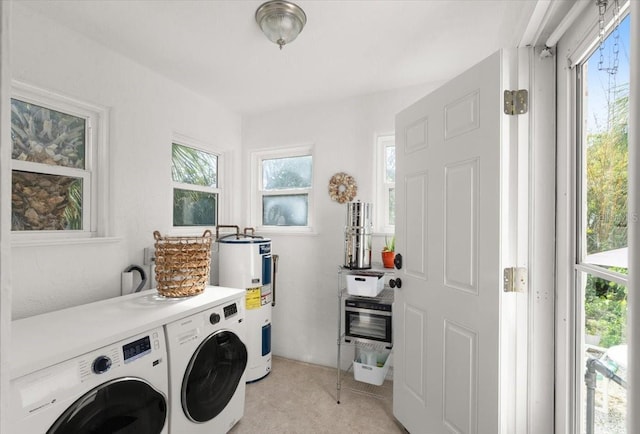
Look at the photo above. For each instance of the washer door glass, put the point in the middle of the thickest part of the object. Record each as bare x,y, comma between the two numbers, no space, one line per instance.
213,375
124,406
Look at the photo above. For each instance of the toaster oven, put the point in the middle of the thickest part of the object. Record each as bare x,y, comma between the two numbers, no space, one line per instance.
368,319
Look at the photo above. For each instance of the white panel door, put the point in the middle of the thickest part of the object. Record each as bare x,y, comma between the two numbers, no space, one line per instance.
450,230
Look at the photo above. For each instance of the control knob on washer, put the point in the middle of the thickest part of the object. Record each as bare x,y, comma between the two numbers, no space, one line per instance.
214,318
101,365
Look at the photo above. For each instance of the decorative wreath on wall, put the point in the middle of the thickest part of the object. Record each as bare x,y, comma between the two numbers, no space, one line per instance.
342,187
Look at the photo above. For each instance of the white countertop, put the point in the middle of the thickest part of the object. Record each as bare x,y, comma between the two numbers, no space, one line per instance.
44,340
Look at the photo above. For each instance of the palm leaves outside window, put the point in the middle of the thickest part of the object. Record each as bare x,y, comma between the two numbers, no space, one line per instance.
195,193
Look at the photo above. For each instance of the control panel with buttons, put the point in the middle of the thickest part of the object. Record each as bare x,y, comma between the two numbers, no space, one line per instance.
112,358
230,310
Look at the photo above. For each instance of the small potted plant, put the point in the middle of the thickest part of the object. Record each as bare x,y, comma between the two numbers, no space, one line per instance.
388,251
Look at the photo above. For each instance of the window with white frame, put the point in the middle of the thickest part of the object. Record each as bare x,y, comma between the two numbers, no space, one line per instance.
601,266
196,192
592,265
386,183
283,183
56,146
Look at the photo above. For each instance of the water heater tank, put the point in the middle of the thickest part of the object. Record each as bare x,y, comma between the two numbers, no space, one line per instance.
245,262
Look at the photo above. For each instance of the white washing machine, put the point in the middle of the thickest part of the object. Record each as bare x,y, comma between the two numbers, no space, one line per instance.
103,367
207,368
119,388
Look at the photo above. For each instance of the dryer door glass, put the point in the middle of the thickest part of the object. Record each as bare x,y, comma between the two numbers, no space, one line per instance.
212,376
124,406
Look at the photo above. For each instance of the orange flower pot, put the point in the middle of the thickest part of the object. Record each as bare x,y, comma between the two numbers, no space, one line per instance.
387,259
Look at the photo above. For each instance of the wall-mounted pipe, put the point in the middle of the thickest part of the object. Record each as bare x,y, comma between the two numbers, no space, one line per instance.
274,278
218,227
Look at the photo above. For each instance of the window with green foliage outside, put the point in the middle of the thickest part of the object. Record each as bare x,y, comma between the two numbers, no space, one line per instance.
604,185
49,174
602,265
195,193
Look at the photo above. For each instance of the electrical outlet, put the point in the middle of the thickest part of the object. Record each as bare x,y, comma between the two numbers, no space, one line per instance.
149,255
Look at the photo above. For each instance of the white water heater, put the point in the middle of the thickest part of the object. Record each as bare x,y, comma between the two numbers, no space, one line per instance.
246,262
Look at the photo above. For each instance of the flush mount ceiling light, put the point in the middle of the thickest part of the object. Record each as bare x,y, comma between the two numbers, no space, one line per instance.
281,21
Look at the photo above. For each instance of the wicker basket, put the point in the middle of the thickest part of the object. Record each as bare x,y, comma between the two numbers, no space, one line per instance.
182,264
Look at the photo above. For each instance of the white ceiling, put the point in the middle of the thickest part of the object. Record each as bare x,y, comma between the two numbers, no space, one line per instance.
347,47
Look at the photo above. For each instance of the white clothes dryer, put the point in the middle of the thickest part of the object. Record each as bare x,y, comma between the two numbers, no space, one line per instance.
207,368
119,388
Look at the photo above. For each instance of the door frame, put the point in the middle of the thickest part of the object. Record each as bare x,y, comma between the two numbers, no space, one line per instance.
541,243
535,235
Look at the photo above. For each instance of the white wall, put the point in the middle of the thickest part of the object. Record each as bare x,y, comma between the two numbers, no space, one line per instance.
343,134
145,111
5,217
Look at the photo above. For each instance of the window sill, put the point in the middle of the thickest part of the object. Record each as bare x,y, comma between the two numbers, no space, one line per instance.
63,241
383,234
276,231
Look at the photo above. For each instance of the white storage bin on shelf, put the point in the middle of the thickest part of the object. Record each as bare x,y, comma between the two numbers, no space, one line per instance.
372,367
365,283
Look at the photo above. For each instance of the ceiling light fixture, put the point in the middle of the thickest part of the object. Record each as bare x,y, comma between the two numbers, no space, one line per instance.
281,21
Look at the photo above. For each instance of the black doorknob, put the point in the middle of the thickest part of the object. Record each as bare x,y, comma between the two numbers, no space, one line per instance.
397,261
395,283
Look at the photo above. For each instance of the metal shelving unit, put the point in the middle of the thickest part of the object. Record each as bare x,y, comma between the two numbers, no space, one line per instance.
386,295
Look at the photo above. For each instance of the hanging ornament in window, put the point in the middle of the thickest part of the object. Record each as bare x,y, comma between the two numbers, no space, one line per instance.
342,187
612,68
613,52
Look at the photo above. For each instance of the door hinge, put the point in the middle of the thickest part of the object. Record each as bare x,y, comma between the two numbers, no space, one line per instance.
516,102
515,279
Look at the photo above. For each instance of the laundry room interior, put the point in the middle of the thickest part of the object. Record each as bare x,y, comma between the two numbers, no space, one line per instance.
262,198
